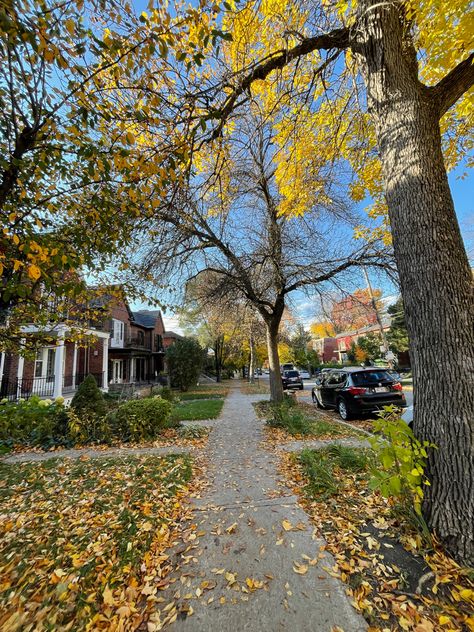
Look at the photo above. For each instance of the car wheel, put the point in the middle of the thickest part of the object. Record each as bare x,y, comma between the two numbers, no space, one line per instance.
342,410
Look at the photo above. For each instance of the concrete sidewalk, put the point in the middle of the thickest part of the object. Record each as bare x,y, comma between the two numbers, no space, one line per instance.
251,568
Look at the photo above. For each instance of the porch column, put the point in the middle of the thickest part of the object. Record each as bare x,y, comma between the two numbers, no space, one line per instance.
105,365
19,373
74,366
59,364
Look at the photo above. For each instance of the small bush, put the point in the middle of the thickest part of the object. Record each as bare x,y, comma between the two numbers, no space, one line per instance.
36,421
193,432
287,417
401,460
140,419
320,465
88,427
167,393
89,400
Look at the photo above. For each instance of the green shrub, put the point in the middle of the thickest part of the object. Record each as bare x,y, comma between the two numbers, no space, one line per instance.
401,460
140,419
36,421
166,393
89,402
319,466
86,427
193,432
287,417
185,360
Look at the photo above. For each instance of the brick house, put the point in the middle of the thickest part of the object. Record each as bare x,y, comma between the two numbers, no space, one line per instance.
136,349
120,347
58,368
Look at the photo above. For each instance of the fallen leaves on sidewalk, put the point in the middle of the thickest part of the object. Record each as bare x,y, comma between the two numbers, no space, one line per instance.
85,544
392,581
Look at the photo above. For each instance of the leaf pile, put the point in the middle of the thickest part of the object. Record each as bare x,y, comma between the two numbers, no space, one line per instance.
375,552
83,543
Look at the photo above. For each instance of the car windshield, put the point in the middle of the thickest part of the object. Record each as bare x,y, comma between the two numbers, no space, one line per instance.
364,378
291,374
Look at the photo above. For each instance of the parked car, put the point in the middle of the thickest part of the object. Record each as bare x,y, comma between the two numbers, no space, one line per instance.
357,390
292,379
287,367
305,375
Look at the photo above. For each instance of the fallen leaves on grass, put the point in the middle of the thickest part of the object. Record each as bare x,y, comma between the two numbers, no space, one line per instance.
364,536
84,544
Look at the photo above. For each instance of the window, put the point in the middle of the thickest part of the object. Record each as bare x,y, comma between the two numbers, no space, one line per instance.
117,333
39,363
336,378
366,378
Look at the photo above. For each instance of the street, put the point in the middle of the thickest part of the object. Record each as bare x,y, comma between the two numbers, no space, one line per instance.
308,385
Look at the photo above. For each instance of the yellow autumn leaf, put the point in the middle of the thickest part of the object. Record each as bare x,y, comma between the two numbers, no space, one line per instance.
286,524
130,138
444,620
34,272
108,597
301,569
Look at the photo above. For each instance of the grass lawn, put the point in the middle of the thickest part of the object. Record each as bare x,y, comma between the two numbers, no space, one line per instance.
199,395
204,391
82,541
379,552
198,409
291,421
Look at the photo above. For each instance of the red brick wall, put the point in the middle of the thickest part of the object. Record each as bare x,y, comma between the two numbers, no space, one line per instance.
96,354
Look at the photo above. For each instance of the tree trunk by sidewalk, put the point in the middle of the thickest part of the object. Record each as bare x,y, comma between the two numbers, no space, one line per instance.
252,359
436,280
276,386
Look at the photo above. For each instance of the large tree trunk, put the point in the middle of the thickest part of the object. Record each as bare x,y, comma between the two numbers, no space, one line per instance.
276,386
435,277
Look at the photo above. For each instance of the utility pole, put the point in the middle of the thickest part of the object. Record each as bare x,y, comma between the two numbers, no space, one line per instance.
386,349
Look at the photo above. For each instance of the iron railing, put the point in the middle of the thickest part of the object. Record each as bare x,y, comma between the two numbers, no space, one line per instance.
25,388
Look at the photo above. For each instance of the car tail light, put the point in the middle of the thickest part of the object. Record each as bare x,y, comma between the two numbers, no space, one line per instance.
397,386
356,390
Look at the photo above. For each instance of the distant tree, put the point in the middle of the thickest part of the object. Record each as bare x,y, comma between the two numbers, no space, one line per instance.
324,329
397,335
370,345
185,360
299,346
351,353
355,311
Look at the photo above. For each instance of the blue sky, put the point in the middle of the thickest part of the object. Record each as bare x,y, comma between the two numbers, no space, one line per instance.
462,189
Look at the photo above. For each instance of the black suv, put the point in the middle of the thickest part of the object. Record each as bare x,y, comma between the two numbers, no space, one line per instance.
357,390
292,379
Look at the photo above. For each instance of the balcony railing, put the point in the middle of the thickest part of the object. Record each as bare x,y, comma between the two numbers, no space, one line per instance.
138,343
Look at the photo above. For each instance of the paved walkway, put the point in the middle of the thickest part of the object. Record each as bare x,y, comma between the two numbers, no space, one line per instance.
91,453
252,536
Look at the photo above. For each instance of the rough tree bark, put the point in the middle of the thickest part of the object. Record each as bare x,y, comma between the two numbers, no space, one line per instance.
436,280
276,385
